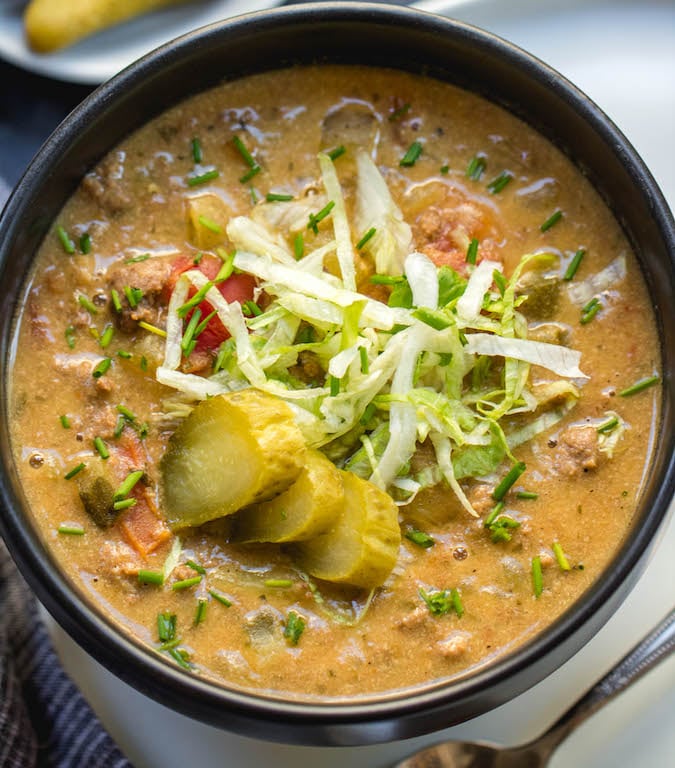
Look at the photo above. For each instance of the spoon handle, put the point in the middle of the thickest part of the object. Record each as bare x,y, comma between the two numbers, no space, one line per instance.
644,656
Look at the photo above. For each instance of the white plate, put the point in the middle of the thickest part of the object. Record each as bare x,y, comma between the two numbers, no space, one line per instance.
101,56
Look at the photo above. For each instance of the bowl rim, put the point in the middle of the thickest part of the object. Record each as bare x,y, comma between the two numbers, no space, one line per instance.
378,715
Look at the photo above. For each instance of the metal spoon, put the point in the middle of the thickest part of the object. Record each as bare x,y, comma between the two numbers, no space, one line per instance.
536,754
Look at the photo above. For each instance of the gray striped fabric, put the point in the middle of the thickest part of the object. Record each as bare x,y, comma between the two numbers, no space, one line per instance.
44,720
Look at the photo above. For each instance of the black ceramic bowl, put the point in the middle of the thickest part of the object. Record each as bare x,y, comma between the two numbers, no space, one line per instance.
363,34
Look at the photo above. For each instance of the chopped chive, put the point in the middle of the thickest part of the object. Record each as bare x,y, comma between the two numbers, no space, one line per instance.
74,471
497,184
251,309
315,218
166,627
560,556
500,281
198,297
137,259
134,295
151,577
196,150
250,174
122,504
513,474
639,386
220,598
181,657
500,529
224,354
152,328
119,427
574,264
298,246
280,583
210,224
195,566
85,242
398,113
226,270
66,242
494,513
101,367
387,279
472,251
202,326
243,151
189,332
475,168
412,155
71,530
527,495
101,448
70,336
278,197
553,219
128,415
128,484
295,626
363,355
368,413
457,602
254,194
537,577
114,295
186,583
200,613
65,421
334,383
420,538
106,336
366,237
87,304
590,310
203,178
337,152
197,259
445,169
608,426
432,317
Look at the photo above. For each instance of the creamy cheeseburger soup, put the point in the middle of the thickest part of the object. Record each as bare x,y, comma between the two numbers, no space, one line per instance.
332,381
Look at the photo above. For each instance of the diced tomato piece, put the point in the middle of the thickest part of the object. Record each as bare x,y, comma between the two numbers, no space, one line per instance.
237,287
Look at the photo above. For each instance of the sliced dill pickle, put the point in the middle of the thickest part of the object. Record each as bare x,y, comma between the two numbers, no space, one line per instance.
362,546
231,451
309,507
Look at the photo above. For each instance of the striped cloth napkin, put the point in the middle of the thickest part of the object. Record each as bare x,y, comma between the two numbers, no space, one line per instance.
45,721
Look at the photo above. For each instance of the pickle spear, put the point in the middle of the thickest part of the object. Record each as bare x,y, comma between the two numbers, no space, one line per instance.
231,451
362,546
309,507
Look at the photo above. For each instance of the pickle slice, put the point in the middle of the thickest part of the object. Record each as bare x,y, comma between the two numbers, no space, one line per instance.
309,507
362,546
233,450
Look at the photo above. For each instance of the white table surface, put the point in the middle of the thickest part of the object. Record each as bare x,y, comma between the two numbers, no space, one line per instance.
622,54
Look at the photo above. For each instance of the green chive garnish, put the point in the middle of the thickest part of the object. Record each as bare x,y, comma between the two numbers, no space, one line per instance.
66,242
433,317
278,197
472,251
574,264
590,310
106,336
189,332
366,237
65,421
445,169
500,281
196,150
295,626
220,598
315,218
71,530
251,309
70,336
210,224
101,368
527,495
387,279
87,304
166,627
337,152
537,577
228,266
137,259
334,383
243,151
494,512
186,583
203,178
122,504
74,471
152,328
279,583
195,566
639,386
608,426
250,174
398,113
476,167
151,577
102,448
114,295
513,474
560,556
456,602
553,219
363,355
412,155
85,242
498,184
200,613
420,538
298,246
128,484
